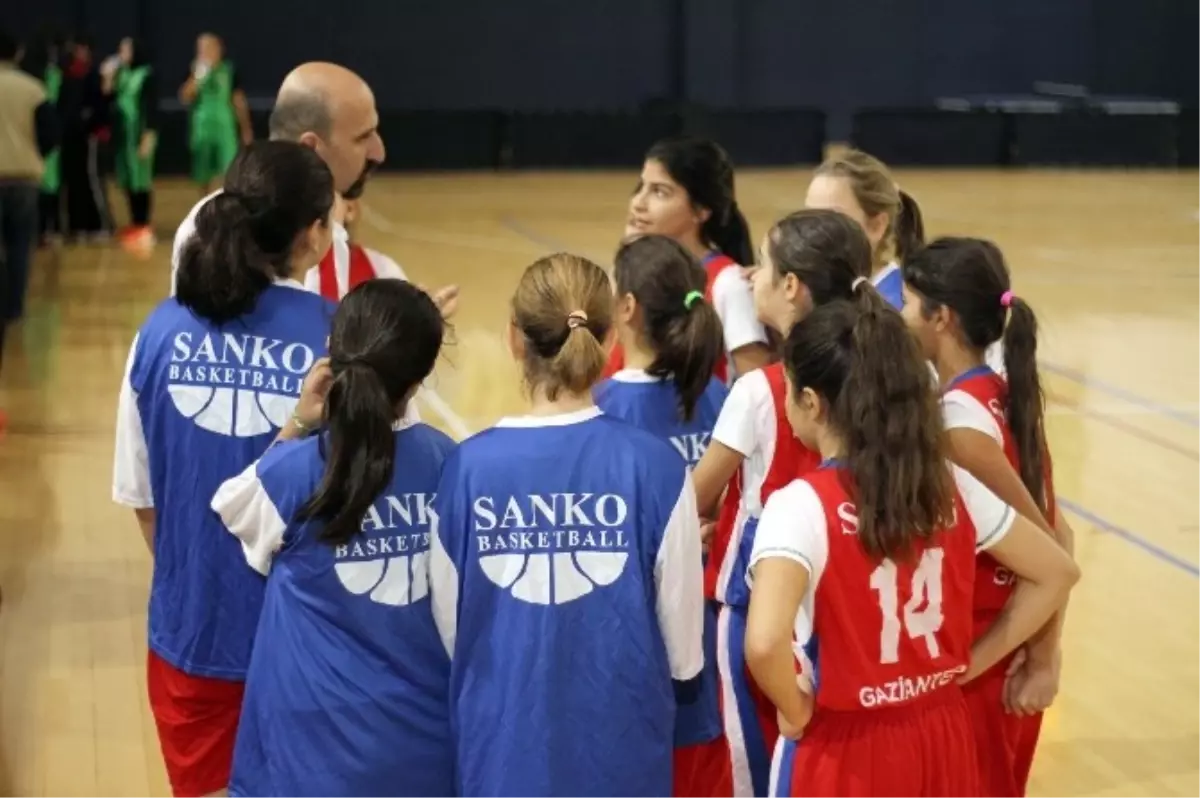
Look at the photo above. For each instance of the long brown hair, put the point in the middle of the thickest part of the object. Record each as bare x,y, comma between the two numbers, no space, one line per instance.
563,308
876,192
682,328
969,276
859,357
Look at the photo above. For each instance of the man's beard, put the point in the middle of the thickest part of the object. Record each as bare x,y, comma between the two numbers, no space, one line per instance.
358,186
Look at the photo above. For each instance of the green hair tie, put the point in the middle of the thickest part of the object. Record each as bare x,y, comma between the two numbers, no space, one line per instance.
692,298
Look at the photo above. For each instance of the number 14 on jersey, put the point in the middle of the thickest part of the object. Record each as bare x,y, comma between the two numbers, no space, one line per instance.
922,617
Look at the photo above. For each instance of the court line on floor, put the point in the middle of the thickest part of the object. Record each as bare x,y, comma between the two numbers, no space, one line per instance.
1110,420
1116,391
1133,538
1095,520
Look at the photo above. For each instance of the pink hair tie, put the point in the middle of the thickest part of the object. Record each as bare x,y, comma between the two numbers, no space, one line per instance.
1006,299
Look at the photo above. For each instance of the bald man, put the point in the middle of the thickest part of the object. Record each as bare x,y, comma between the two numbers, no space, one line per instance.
331,109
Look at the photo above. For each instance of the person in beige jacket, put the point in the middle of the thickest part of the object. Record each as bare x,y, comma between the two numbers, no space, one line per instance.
28,130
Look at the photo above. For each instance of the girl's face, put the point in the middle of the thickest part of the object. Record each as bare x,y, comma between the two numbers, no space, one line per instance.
927,330
779,300
125,51
832,193
661,206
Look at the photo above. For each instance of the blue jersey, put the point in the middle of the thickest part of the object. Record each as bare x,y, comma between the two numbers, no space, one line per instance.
200,403
347,688
889,282
566,583
653,404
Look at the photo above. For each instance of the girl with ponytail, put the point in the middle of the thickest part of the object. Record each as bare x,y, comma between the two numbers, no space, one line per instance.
348,665
686,192
861,186
672,339
809,258
959,302
212,376
565,570
873,555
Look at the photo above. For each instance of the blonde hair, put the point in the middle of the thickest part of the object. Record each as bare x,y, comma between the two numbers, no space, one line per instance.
876,192
563,308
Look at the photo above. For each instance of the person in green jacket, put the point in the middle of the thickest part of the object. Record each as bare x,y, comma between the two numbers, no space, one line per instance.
131,84
220,117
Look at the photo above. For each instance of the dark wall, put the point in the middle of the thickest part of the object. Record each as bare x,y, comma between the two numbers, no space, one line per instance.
551,54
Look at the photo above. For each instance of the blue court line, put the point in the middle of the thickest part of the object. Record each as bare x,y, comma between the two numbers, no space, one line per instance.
1106,526
1152,549
1191,419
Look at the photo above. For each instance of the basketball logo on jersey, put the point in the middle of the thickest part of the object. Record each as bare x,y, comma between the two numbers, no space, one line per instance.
390,561
552,549
236,384
691,445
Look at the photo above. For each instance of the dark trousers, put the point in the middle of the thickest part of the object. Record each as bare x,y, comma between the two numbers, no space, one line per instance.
87,201
18,233
49,218
139,207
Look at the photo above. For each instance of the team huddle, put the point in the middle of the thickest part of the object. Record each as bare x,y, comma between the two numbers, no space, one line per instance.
769,529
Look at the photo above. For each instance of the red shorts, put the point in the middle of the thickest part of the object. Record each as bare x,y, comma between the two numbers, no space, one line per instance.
1005,743
921,750
197,721
703,771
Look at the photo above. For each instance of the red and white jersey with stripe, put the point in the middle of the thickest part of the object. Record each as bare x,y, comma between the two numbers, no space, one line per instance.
876,633
978,399
753,422
347,264
733,299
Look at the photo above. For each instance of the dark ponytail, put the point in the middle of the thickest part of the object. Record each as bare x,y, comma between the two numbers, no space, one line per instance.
385,340
245,235
731,236
860,358
704,170
825,250
909,228
970,277
222,271
681,328
1026,407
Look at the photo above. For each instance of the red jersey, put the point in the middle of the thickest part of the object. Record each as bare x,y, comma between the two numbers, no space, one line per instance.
876,634
978,399
789,459
714,264
361,270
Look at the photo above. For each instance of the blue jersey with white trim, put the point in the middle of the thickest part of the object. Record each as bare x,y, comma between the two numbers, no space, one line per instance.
205,401
653,405
565,574
347,692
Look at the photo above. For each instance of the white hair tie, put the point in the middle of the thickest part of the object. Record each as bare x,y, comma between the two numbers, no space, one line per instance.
857,282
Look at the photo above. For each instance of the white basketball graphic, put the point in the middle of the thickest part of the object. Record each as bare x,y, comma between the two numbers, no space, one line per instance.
394,581
234,412
556,578
238,385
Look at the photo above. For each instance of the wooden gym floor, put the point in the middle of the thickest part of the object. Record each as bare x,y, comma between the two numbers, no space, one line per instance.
1108,259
